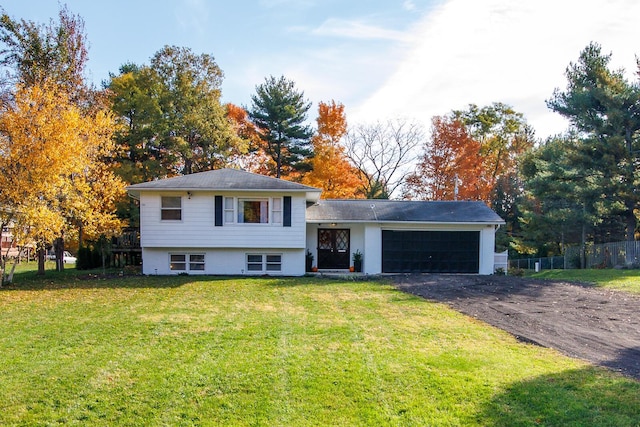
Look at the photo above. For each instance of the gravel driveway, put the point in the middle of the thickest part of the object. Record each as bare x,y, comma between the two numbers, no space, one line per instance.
593,324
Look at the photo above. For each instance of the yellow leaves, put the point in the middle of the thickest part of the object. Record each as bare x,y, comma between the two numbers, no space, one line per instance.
51,161
40,142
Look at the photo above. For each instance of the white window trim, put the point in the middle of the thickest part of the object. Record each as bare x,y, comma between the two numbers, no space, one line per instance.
171,209
276,213
229,210
188,262
264,263
232,215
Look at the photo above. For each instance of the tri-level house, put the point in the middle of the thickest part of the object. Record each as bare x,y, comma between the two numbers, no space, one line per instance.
231,222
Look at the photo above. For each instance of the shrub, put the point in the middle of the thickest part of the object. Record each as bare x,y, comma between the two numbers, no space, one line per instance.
84,261
518,272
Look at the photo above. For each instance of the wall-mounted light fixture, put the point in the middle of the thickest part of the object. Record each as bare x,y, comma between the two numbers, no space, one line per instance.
189,194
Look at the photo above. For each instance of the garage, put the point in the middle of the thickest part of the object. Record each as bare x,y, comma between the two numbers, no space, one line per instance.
406,251
409,236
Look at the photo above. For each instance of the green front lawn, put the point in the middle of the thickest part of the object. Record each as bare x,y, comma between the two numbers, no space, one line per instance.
265,351
625,280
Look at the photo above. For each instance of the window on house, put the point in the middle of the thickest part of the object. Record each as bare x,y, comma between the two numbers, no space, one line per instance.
228,210
254,262
171,208
178,262
253,211
196,262
264,262
186,262
276,211
274,263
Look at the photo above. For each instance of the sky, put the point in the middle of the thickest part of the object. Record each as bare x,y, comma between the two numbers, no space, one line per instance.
383,59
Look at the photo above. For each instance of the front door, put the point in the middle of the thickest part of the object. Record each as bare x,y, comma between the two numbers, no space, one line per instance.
333,248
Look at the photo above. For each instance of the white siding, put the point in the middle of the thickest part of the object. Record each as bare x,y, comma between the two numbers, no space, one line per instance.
368,239
197,230
487,249
222,261
373,249
357,240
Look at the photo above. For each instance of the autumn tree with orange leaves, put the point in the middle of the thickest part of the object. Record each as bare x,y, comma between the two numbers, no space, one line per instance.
332,171
482,146
450,167
253,155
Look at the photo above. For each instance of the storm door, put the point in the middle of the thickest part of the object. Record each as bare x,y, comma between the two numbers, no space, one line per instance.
333,248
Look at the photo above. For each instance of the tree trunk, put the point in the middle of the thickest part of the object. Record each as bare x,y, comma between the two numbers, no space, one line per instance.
631,232
278,160
13,267
3,257
80,236
41,260
631,225
59,250
583,241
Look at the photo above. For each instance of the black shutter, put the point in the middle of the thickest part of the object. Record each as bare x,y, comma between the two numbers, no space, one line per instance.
286,217
218,211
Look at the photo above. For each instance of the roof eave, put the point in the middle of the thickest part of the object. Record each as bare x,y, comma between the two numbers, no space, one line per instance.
310,194
365,221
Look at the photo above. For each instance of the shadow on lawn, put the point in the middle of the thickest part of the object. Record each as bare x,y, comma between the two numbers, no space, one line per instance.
96,279
579,397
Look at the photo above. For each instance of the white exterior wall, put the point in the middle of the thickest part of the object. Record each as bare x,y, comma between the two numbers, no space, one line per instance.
356,233
367,238
196,229
222,261
373,249
225,247
487,249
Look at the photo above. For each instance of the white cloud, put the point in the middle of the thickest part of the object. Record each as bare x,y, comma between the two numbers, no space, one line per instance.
193,16
409,5
467,51
356,29
269,4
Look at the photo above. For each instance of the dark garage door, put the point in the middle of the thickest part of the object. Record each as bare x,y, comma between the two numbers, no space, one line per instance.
430,251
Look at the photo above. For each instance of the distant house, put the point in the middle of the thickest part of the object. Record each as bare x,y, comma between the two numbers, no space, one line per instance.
231,222
8,245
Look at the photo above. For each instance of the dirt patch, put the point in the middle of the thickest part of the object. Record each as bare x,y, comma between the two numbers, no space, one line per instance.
597,325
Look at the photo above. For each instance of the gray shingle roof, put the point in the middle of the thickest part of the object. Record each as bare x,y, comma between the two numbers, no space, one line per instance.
405,211
222,179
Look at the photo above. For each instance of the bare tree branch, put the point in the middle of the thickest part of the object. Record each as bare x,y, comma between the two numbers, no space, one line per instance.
382,152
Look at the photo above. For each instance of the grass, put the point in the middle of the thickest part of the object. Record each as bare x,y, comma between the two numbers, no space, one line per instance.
626,280
264,351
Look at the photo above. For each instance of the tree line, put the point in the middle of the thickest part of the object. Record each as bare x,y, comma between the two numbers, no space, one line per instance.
68,149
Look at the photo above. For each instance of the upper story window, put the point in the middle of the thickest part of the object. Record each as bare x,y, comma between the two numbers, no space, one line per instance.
276,211
229,211
171,208
253,211
249,210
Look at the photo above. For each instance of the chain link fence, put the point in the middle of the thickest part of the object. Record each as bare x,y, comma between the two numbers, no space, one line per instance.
605,255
